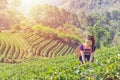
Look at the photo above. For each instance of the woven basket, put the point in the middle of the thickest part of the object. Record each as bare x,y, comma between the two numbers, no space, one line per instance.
77,52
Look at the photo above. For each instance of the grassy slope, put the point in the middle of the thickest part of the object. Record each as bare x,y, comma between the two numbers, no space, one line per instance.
16,47
106,65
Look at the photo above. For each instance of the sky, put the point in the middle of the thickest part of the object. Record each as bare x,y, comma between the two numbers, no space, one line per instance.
26,5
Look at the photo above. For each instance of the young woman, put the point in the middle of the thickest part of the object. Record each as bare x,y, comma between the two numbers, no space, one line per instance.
87,50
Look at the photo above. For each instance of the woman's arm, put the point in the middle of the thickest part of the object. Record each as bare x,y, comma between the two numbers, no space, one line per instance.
91,56
83,57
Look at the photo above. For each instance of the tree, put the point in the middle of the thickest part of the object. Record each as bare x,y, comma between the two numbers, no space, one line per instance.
108,15
53,16
90,21
16,28
116,39
15,3
115,15
82,19
99,2
10,17
3,4
102,35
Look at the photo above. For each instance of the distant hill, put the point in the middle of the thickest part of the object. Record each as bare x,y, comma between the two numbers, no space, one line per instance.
91,5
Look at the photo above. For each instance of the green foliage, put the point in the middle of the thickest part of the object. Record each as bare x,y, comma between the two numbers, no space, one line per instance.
105,66
104,25
53,16
102,35
10,17
116,39
46,47
12,48
16,28
60,34
18,47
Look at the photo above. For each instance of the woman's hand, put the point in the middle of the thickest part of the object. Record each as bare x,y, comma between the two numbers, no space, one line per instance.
83,57
91,57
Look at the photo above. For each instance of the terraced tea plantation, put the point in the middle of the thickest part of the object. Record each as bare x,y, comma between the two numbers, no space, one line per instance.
106,66
40,58
46,47
12,48
18,47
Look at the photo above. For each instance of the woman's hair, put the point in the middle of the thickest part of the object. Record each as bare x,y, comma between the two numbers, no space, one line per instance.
92,38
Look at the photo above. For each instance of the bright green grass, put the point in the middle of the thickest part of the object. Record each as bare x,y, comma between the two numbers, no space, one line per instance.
106,65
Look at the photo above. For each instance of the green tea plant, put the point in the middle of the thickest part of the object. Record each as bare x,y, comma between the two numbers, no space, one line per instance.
106,66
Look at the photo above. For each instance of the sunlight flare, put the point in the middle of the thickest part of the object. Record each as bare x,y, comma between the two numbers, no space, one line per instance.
26,5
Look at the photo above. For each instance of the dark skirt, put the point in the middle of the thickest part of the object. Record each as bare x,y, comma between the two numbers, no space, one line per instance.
87,57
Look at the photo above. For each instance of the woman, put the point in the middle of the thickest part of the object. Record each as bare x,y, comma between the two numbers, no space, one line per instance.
87,49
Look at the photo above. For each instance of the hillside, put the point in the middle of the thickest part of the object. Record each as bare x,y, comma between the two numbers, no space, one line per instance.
12,48
91,5
17,47
105,67
41,45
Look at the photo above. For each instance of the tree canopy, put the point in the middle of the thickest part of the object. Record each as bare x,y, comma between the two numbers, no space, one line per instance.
53,16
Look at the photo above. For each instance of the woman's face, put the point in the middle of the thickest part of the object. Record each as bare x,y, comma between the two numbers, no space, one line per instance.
88,42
